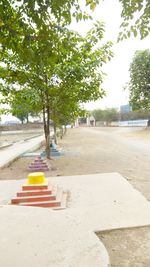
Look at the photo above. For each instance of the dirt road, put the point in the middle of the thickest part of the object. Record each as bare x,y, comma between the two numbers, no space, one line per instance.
123,150
98,150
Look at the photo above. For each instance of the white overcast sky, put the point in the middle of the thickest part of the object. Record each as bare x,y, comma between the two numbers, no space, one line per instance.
117,69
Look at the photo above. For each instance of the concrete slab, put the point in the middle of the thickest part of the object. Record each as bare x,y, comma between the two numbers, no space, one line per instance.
53,154
16,150
5,144
42,237
31,154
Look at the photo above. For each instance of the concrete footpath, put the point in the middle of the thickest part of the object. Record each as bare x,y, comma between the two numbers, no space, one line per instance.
66,238
11,153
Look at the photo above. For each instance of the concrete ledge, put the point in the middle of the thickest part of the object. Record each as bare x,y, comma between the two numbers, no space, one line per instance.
98,202
10,154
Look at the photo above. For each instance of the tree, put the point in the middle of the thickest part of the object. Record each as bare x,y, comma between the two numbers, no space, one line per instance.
139,85
61,72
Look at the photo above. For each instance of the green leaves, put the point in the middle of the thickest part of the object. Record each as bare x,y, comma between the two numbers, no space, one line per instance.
92,4
131,10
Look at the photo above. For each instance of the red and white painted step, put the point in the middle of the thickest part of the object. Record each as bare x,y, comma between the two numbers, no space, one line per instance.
41,195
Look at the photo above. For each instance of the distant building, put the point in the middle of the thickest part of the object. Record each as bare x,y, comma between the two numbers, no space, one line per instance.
82,120
125,108
85,121
90,121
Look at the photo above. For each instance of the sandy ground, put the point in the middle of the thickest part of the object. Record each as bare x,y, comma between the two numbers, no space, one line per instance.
125,249
98,150
103,150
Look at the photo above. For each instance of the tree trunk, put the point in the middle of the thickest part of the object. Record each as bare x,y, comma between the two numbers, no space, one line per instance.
46,117
46,131
65,129
48,146
55,134
44,121
27,118
48,135
61,132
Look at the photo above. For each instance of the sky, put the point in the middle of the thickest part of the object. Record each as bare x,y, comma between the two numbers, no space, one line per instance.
117,69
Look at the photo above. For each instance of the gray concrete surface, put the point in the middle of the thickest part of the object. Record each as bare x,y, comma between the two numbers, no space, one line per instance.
11,153
42,237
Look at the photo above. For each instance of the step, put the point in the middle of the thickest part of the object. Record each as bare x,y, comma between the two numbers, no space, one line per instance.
38,162
34,187
53,153
38,168
34,193
63,202
27,187
38,165
35,168
44,204
47,204
44,198
54,150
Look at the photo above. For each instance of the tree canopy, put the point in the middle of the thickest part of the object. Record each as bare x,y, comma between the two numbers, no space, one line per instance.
139,85
56,68
15,15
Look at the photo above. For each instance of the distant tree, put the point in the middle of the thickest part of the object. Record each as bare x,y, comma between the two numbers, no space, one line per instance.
135,115
112,114
22,110
98,114
22,103
21,114
108,115
139,85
